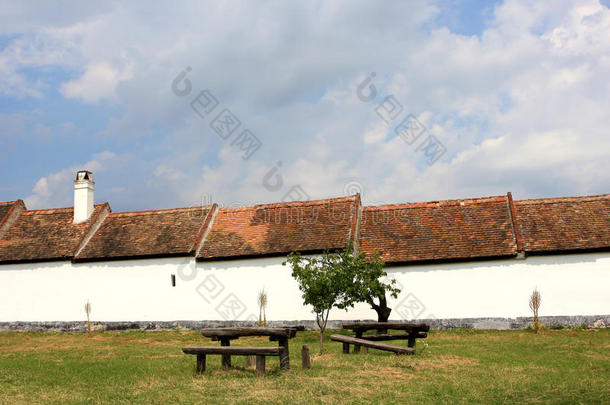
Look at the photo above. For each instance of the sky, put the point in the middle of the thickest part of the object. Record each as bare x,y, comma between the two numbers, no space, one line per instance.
240,103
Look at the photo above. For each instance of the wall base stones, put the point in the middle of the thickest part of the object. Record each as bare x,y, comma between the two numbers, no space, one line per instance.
589,321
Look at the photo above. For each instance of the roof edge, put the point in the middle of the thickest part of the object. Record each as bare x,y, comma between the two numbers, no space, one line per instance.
265,255
556,252
11,216
513,220
37,260
450,260
206,227
96,223
357,220
130,257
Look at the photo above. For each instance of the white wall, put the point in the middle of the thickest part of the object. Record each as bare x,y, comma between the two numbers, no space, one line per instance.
140,290
569,285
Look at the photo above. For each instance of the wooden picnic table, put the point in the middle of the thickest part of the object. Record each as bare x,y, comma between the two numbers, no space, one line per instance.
412,331
279,334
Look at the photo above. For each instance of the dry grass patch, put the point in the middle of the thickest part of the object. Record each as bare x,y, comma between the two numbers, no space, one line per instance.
387,373
444,362
167,356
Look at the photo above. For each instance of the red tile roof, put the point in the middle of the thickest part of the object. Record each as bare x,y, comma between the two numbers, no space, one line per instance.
171,232
439,230
41,235
564,224
464,229
271,229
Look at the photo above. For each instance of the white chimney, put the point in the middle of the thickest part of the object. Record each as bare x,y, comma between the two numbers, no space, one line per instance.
84,186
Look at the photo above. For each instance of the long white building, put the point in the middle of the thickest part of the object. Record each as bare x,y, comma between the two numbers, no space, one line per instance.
471,262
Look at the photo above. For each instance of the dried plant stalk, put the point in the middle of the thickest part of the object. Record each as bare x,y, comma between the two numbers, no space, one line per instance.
88,312
535,301
262,306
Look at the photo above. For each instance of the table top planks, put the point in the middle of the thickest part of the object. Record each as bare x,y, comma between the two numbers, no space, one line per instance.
234,350
287,332
364,326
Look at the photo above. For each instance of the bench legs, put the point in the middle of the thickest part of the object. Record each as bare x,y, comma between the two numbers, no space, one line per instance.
226,358
285,354
346,348
356,347
411,342
260,366
411,339
200,363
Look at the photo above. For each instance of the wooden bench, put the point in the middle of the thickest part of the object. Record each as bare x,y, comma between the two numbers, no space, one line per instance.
259,352
279,334
412,331
395,336
348,340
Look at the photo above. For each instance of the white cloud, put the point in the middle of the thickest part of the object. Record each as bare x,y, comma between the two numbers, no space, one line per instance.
522,106
98,82
169,173
377,133
55,189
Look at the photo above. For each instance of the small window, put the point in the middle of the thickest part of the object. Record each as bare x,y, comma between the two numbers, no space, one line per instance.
173,280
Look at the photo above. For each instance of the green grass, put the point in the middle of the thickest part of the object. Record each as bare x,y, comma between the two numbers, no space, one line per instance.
557,366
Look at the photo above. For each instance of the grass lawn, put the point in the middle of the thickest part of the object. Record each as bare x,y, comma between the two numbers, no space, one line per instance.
557,366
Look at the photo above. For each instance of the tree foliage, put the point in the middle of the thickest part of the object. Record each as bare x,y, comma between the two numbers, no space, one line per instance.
340,280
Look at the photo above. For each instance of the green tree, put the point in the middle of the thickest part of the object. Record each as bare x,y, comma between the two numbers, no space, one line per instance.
368,286
339,280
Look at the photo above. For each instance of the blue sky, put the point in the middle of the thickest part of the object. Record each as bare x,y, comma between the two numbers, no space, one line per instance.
465,17
515,94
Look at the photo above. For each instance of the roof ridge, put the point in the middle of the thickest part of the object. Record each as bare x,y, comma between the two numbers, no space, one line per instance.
553,200
71,207
156,211
46,210
436,203
289,204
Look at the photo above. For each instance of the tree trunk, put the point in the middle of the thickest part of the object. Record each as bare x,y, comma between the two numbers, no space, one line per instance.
322,320
383,311
321,339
